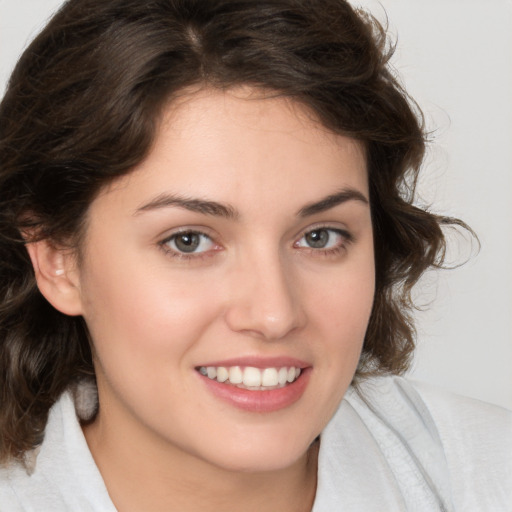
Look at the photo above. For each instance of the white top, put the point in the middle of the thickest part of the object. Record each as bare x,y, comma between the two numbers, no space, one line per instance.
393,446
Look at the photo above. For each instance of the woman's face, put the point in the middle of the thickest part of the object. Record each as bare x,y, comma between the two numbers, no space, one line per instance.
237,256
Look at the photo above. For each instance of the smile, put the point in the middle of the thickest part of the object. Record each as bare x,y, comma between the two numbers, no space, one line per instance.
251,378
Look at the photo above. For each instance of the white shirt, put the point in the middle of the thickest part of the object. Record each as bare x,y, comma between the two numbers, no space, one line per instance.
394,446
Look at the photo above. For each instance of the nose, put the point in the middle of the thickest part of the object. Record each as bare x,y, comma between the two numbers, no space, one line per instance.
265,299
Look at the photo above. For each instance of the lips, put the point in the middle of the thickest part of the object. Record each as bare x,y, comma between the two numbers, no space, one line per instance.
256,385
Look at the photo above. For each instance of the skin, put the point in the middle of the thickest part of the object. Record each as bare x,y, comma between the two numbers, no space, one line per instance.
255,288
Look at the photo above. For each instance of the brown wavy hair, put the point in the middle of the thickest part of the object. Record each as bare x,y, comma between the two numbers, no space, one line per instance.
82,108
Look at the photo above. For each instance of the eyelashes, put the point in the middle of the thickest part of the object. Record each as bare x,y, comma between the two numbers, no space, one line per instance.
323,238
189,244
319,241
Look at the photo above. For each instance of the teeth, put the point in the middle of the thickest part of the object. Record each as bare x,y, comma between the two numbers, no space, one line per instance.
252,378
282,376
269,377
222,374
235,375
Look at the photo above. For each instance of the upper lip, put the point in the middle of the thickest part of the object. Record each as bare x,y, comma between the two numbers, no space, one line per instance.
259,362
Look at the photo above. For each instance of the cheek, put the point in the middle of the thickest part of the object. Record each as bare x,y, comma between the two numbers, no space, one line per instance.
339,313
133,309
341,310
344,301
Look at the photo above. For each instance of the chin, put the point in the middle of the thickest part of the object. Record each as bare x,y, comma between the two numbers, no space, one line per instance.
261,455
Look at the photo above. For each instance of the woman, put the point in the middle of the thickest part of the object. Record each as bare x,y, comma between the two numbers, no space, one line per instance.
208,246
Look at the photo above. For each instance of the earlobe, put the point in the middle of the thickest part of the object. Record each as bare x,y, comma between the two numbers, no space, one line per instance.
56,276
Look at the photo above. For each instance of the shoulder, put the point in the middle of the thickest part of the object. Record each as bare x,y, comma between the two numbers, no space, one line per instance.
477,441
472,438
62,475
31,485
8,496
21,488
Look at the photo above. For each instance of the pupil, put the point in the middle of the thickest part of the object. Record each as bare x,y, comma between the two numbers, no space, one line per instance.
318,238
187,242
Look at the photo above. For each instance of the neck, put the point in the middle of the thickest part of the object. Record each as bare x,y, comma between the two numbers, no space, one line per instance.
158,478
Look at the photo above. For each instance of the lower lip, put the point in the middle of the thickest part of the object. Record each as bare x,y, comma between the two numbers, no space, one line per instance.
259,401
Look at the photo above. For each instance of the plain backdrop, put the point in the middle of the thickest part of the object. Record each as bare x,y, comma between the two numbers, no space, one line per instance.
455,58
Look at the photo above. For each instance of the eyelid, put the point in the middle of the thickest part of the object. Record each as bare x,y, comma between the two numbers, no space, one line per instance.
330,226
164,243
166,235
346,239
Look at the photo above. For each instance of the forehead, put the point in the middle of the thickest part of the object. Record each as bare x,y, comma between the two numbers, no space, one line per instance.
249,113
240,146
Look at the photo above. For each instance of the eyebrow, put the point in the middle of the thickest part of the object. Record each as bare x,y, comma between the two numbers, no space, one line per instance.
227,211
346,194
194,205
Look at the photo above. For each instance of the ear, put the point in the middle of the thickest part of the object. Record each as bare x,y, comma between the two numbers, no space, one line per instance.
57,276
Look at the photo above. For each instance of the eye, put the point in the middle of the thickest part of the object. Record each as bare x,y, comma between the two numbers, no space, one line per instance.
323,238
188,242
